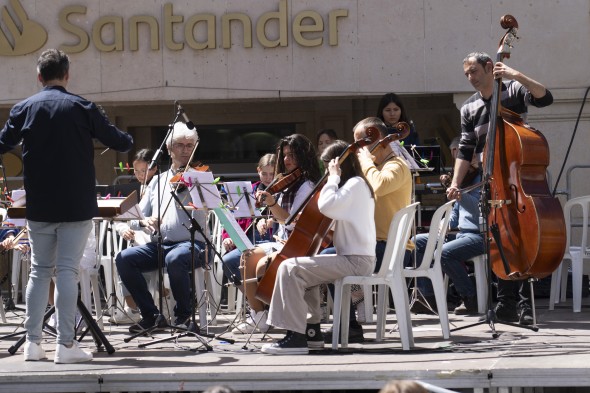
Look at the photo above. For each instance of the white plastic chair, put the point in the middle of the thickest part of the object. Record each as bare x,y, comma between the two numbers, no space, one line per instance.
481,282
399,233
430,266
576,253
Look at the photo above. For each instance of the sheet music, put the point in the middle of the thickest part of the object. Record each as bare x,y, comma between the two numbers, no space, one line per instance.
400,151
235,232
239,195
203,190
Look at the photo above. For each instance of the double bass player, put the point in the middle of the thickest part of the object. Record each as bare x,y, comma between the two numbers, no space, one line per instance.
517,93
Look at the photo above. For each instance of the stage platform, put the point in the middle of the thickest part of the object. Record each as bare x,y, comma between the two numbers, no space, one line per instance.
554,359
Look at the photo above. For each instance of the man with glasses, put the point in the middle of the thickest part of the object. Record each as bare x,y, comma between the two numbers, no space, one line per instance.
176,245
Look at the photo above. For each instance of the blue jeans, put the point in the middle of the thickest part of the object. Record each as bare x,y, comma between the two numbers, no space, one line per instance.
456,250
133,261
55,248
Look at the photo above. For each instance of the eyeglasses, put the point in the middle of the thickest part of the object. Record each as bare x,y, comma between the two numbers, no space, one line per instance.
181,146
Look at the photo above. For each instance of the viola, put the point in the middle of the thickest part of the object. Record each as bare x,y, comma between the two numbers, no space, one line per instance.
403,130
310,229
526,222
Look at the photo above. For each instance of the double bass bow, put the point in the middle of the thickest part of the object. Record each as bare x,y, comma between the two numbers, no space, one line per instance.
310,229
526,222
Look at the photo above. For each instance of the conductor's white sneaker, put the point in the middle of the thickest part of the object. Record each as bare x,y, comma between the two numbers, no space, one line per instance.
74,354
34,351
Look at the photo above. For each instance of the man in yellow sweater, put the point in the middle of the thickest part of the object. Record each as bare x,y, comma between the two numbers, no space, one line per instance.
391,180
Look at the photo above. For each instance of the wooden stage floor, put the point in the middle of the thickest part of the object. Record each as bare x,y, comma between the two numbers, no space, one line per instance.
557,356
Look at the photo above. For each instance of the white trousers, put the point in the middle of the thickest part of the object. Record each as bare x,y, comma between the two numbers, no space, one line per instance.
296,288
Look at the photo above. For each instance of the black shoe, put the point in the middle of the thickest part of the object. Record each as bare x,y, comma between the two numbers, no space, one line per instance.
355,335
420,308
467,307
506,313
526,316
147,323
314,336
292,344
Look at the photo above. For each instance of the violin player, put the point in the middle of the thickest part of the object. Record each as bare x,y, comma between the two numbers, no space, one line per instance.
295,154
518,92
176,246
261,230
390,178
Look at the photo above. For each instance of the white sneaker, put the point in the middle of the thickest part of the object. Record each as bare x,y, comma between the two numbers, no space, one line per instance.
256,322
127,317
65,355
34,351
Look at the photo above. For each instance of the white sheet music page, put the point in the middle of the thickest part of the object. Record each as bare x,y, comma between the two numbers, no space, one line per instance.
203,190
239,195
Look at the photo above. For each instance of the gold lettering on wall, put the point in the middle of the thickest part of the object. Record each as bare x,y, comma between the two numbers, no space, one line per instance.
316,26
97,33
83,39
226,29
273,29
189,31
281,16
152,24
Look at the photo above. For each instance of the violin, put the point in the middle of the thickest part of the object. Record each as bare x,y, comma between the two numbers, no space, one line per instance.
280,183
178,178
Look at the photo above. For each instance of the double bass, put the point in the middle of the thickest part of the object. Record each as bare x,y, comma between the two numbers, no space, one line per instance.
526,222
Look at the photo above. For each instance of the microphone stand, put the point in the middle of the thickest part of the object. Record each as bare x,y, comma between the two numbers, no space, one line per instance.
193,328
160,321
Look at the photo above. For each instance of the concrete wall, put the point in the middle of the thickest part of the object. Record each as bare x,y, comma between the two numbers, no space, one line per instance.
410,47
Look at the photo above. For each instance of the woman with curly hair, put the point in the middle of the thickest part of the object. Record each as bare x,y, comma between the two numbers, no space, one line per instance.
293,152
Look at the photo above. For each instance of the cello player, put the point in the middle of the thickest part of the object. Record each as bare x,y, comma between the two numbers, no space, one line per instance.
518,92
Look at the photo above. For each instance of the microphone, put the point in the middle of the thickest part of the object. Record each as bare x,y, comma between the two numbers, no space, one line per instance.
189,123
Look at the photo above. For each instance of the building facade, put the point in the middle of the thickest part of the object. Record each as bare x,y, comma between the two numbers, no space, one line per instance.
249,72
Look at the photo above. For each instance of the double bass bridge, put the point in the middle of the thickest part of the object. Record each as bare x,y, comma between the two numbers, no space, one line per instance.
497,203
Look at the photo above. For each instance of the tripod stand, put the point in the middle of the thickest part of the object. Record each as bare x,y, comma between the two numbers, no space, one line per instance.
193,328
97,334
490,317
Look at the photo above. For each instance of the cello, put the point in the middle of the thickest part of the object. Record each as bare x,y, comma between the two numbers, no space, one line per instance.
311,226
526,222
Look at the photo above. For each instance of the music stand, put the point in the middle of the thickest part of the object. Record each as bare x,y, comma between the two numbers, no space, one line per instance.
203,193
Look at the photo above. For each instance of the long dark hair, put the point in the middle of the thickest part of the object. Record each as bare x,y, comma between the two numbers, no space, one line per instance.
388,99
350,167
305,154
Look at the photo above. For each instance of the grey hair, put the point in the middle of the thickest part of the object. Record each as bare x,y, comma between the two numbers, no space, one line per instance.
181,131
